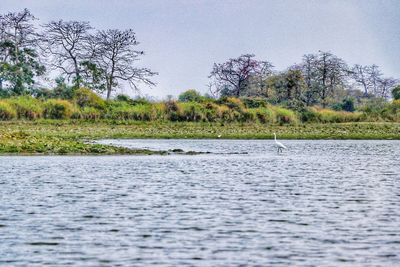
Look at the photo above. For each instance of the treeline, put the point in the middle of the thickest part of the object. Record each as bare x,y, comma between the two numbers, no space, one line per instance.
82,56
320,79
86,105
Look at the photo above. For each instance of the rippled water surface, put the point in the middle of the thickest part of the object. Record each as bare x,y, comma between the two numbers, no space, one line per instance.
320,203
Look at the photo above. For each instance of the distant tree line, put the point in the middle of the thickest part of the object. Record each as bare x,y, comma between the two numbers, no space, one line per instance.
320,79
99,60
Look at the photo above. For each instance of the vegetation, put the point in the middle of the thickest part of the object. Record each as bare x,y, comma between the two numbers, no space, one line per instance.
249,98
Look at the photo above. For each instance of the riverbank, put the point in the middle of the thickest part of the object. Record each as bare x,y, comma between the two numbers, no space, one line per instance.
72,137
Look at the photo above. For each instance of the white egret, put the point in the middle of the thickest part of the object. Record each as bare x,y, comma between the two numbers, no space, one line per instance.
279,145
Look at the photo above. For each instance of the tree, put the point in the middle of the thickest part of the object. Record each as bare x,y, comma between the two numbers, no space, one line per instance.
396,92
19,62
190,96
361,75
232,77
385,86
66,45
324,74
114,55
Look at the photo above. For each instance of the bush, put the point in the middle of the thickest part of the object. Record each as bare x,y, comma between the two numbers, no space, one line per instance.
192,112
87,113
211,111
233,103
84,97
190,96
396,92
264,115
285,116
58,109
27,107
310,115
347,105
254,102
123,98
172,110
127,112
331,116
7,112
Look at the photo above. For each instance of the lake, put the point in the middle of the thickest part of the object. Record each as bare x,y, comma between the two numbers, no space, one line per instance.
319,203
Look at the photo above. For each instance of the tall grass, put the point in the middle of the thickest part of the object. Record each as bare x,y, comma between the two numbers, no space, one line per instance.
27,107
7,112
86,105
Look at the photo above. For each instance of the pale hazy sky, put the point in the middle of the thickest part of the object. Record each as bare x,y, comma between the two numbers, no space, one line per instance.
182,39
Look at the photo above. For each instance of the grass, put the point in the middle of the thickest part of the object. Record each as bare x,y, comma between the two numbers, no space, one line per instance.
67,136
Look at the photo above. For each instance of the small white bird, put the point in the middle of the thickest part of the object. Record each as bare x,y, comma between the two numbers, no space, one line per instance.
219,136
279,145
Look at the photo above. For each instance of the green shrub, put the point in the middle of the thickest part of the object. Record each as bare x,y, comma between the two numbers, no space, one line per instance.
233,103
396,92
285,116
127,112
172,110
27,107
254,102
211,111
7,112
264,115
123,98
192,112
190,96
84,97
310,115
57,109
331,116
88,113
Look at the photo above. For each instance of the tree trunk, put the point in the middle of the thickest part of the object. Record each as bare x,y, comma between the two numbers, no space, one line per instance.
109,88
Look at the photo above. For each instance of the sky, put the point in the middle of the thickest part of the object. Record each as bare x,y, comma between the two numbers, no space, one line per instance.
183,39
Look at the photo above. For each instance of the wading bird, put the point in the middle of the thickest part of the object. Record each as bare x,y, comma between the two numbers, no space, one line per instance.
279,145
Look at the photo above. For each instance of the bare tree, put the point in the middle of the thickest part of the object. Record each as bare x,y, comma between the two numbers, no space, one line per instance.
385,86
115,56
65,42
361,75
234,74
324,73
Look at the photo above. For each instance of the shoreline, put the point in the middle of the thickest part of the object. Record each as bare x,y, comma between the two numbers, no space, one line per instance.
69,137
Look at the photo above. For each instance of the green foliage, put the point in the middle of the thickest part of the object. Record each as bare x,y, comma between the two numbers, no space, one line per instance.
396,92
264,115
58,109
123,98
285,116
192,112
27,107
254,102
190,96
84,97
331,116
7,112
129,112
88,113
347,105
232,103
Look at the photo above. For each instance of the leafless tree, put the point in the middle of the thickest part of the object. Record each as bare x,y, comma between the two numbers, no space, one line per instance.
114,54
234,74
65,42
385,86
324,73
361,75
